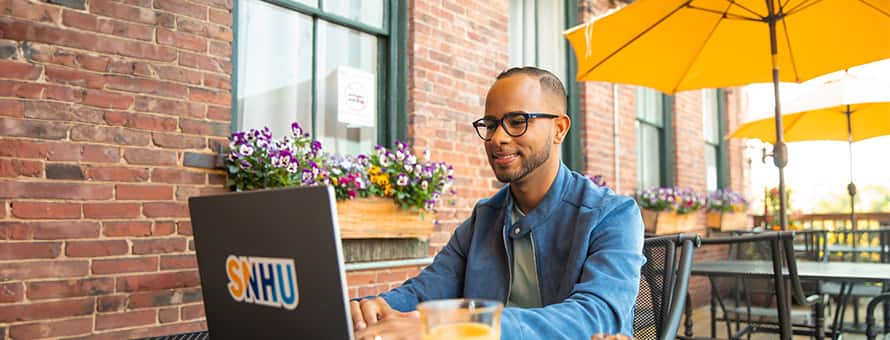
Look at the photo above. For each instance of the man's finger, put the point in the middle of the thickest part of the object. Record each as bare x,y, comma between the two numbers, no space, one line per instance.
358,322
370,311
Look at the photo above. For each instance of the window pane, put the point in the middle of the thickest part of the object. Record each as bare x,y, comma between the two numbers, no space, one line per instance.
650,106
368,12
551,43
710,167
710,115
648,156
274,72
339,46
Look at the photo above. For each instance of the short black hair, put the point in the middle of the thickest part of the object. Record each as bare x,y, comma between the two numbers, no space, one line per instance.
549,81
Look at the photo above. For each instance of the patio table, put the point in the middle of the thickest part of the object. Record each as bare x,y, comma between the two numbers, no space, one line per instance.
844,272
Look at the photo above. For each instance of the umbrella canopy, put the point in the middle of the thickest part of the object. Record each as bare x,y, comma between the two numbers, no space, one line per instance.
850,108
675,45
820,113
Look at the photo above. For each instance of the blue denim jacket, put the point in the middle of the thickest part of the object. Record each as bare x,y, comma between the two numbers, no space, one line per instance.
588,245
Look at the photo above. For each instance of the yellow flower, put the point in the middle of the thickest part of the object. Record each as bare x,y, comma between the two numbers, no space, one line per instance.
388,191
374,170
334,180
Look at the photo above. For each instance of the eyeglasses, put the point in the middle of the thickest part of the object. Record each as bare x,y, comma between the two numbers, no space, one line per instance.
514,123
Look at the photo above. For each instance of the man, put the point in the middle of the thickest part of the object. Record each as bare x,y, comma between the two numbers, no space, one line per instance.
563,254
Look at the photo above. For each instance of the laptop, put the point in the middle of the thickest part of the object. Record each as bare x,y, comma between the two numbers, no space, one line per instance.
271,265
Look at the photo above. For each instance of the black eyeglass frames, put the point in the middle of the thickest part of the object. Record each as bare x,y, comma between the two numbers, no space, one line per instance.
515,124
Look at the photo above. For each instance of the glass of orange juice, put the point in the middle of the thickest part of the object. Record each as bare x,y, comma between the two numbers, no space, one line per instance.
460,319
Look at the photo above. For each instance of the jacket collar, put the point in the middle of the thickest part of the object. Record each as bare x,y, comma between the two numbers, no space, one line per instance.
544,209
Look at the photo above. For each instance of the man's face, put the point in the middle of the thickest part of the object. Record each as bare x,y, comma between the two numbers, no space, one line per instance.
513,158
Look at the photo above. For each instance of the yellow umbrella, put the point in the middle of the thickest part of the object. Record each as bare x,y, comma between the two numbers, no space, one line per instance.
850,108
676,45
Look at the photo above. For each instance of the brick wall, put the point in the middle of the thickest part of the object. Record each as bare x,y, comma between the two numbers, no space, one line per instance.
110,112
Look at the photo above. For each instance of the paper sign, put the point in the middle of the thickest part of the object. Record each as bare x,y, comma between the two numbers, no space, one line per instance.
356,97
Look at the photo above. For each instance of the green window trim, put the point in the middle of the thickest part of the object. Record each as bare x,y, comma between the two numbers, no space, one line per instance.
392,116
572,148
722,153
668,162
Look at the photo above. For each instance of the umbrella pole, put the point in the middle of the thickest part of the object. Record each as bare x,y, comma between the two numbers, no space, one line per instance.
851,188
780,157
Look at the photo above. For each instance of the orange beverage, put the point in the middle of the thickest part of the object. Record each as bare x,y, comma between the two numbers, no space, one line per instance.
462,331
460,319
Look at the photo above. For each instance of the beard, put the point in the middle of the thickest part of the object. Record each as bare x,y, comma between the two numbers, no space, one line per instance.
527,165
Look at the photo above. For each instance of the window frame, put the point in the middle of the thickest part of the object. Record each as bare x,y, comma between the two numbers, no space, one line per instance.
666,159
391,63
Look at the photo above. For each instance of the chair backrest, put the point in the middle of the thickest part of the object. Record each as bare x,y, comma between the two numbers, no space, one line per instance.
778,247
664,280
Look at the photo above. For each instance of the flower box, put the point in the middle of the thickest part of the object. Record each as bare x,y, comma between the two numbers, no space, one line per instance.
728,221
377,217
664,223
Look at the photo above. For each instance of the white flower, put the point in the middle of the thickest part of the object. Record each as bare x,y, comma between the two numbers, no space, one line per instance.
424,185
292,168
426,155
246,150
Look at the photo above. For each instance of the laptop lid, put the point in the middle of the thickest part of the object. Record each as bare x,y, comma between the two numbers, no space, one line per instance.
271,264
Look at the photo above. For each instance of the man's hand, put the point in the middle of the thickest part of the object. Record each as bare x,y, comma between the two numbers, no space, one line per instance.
369,312
393,326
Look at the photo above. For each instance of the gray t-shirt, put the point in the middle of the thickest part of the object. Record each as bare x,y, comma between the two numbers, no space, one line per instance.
524,291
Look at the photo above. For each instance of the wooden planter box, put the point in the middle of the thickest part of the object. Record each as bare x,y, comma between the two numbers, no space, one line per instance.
726,221
665,223
378,217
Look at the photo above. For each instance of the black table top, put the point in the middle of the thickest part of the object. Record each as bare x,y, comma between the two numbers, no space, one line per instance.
826,271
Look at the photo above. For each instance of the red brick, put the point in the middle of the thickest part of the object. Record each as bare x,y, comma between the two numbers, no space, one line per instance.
63,93
178,74
168,315
221,17
64,152
22,149
45,210
164,209
144,192
93,63
176,141
18,167
107,99
111,135
125,319
360,278
73,191
110,210
218,82
147,86
47,310
100,154
202,28
164,297
179,7
208,96
29,250
203,62
175,176
150,157
116,173
182,40
125,29
33,128
142,121
11,292
111,303
96,248
62,112
158,246
220,49
18,70
160,105
80,20
70,288
163,228
168,280
178,262
63,230
193,311
185,228
12,108
121,11
43,269
125,265
33,11
50,329
72,77
219,113
205,128
130,228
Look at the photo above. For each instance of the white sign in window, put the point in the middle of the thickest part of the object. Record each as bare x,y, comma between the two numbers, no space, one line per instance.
356,97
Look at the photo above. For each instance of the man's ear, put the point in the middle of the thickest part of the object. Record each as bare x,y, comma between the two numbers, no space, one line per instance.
561,126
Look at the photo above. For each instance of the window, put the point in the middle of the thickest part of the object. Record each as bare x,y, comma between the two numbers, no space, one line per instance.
654,139
300,60
535,39
715,164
